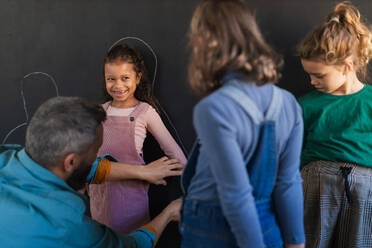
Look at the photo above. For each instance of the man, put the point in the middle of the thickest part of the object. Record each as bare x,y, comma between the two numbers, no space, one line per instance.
39,204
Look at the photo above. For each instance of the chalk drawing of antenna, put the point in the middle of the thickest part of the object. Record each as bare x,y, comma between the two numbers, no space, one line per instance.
24,100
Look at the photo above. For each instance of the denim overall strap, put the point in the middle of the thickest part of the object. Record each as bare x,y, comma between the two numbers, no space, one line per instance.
262,165
252,111
189,170
275,107
244,101
250,107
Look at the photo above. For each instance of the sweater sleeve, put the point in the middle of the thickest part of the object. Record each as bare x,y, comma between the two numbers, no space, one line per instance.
218,139
145,237
157,128
100,169
287,194
140,238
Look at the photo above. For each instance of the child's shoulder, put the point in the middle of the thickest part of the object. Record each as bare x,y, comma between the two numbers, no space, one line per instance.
214,99
368,88
148,112
210,101
147,107
309,97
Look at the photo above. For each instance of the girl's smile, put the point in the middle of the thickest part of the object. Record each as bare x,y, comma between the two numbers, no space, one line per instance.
121,83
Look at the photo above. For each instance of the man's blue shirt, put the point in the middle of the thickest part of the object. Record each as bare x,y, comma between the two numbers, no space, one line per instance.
38,209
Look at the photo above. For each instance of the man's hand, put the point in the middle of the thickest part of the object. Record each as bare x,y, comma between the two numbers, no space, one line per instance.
170,213
174,209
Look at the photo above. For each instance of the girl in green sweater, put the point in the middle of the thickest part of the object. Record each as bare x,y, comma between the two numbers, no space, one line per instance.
337,151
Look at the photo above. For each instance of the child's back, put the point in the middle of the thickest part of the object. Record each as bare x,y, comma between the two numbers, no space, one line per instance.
242,184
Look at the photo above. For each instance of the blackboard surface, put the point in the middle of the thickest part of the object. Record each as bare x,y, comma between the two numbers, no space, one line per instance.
68,39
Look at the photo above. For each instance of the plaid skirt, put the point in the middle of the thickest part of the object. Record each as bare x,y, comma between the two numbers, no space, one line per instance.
338,205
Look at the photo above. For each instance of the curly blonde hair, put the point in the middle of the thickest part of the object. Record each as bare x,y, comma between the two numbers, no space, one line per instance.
343,34
224,37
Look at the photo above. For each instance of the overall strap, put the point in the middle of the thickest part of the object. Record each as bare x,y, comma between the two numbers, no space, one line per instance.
261,166
244,101
251,108
275,107
190,168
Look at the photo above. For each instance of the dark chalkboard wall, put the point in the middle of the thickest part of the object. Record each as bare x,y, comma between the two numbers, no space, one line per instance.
68,38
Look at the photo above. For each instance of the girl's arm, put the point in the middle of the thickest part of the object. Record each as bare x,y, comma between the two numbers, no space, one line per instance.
154,172
287,194
157,128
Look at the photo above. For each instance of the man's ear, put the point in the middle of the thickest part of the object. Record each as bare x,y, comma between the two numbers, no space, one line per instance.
70,163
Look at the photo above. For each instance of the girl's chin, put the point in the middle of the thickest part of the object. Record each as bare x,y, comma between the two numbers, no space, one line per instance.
120,97
119,100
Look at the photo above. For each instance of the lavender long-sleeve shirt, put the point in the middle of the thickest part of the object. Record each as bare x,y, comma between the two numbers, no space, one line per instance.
228,138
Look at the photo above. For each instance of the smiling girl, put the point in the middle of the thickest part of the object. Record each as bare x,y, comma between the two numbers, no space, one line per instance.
130,107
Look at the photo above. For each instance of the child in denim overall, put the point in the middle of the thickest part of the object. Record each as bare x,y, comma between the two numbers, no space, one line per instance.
242,184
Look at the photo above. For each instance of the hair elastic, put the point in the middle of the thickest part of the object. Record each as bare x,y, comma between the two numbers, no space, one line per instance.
335,19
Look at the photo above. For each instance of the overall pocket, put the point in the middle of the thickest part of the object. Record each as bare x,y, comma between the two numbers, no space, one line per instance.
203,225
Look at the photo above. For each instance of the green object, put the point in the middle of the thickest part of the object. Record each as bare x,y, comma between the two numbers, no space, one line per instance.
338,128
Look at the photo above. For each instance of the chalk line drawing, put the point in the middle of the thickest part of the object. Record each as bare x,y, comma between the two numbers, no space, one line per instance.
153,83
24,100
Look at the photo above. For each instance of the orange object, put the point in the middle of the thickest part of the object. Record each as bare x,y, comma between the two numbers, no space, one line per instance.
151,229
102,172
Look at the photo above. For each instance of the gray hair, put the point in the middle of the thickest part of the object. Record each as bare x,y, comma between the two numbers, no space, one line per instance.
60,126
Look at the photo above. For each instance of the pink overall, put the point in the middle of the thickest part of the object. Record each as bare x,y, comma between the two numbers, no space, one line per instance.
121,205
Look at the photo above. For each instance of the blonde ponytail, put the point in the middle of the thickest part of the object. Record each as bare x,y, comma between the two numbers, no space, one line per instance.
342,35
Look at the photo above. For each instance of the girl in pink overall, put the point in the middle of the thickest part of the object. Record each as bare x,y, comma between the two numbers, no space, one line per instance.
123,205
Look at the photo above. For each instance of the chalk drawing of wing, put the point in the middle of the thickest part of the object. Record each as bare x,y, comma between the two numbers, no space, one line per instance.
49,89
